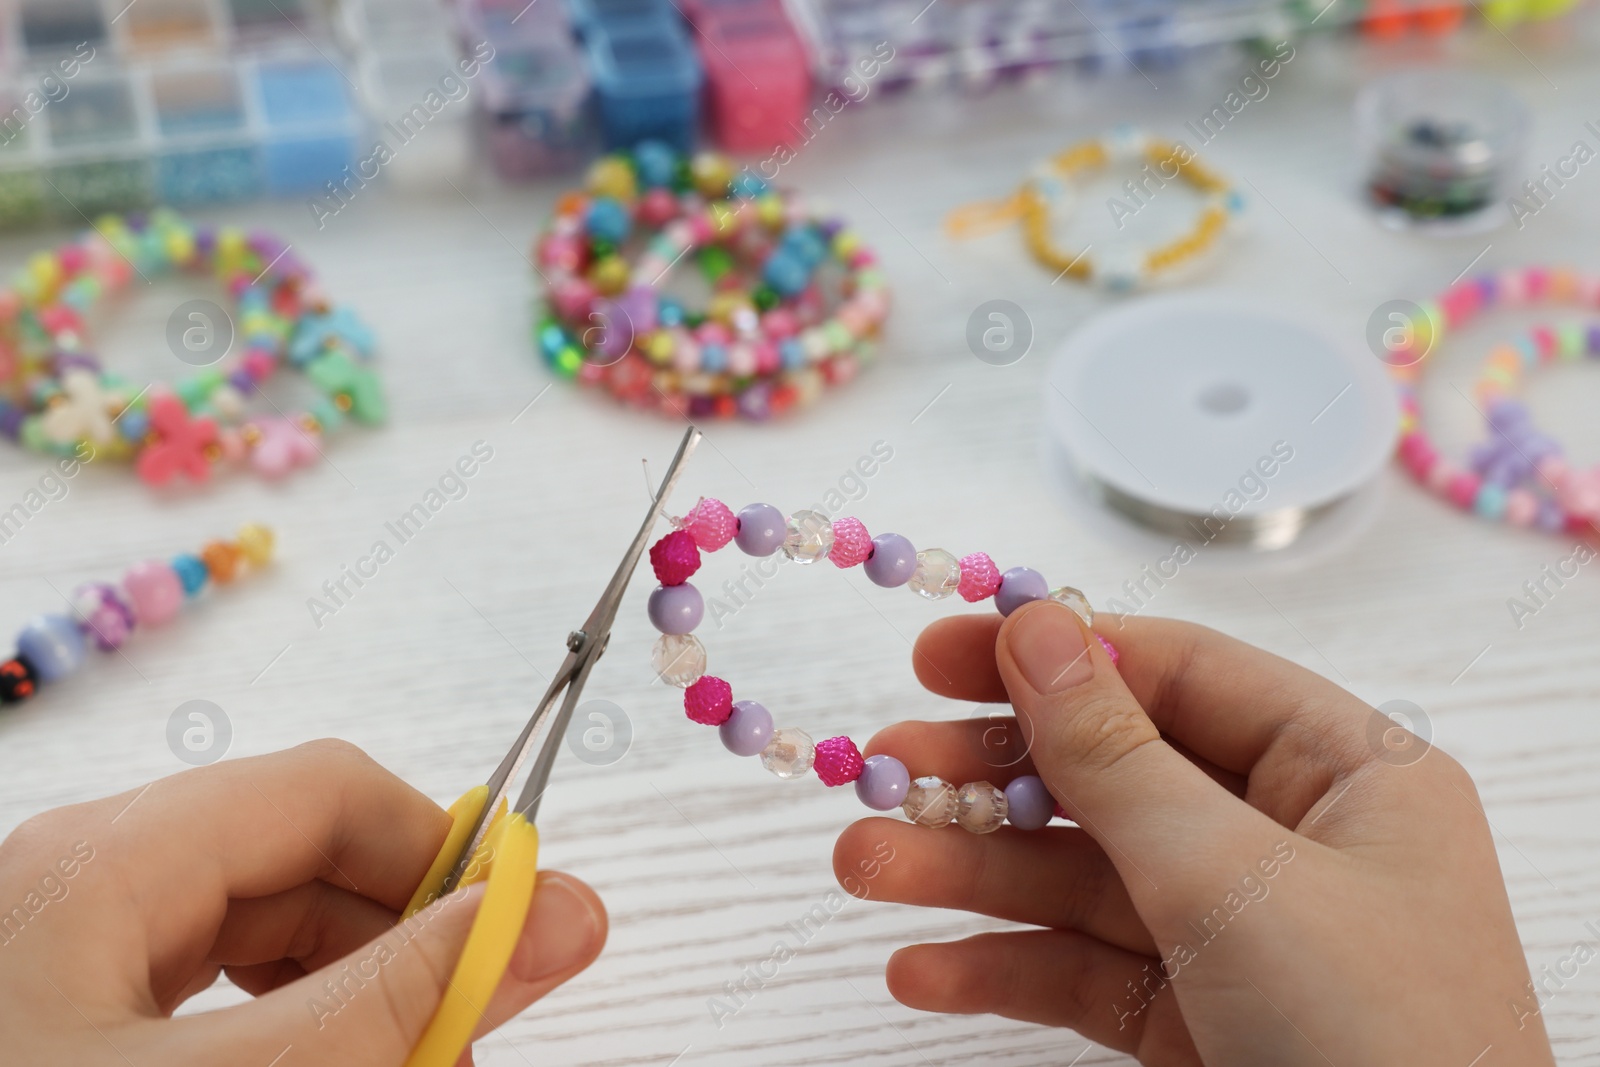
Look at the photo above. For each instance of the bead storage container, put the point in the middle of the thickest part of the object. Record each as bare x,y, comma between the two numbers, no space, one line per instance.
534,91
647,77
415,82
170,101
975,43
1443,149
744,113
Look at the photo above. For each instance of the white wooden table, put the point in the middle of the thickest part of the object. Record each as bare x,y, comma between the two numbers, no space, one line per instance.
702,858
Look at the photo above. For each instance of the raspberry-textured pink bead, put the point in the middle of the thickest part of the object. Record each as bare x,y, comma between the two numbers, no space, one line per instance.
675,558
711,524
851,543
980,578
838,761
1111,650
709,701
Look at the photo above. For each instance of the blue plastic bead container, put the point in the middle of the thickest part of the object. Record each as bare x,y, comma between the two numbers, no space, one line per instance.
647,82
310,135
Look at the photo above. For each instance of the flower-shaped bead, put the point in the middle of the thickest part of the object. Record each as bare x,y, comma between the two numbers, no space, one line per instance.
675,558
181,446
351,386
709,701
838,761
83,411
711,523
851,543
980,578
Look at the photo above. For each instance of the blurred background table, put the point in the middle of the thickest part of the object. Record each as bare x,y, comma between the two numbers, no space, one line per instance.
703,859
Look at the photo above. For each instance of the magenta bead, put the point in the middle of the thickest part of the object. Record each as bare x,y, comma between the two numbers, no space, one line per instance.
154,590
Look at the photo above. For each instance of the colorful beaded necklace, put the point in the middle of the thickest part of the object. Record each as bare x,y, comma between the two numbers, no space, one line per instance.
797,301
55,397
54,645
746,727
1518,474
1045,192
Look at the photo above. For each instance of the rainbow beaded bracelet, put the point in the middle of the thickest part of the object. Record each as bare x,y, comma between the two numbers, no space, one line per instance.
797,300
746,727
55,397
1518,475
54,645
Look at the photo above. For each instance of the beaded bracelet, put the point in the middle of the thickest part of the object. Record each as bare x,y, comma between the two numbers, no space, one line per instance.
766,340
55,397
746,727
52,646
1128,267
1519,475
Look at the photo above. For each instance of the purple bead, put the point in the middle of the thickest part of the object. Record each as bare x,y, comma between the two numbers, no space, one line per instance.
1018,586
676,609
701,407
1550,518
1594,340
892,561
615,329
755,403
1030,805
883,784
761,530
746,731
11,420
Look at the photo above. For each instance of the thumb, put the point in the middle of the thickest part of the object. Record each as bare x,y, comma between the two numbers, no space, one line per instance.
1160,818
370,1008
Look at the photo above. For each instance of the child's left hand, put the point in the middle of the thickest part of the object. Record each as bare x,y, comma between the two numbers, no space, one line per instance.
286,872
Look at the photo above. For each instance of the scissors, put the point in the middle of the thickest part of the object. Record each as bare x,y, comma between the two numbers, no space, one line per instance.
491,842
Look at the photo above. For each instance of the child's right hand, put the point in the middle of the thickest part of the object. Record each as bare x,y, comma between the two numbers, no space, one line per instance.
1310,902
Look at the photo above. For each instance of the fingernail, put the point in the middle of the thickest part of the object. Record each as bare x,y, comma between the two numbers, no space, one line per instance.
1048,645
560,934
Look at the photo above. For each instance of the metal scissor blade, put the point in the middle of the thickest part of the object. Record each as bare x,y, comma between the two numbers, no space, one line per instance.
605,611
585,647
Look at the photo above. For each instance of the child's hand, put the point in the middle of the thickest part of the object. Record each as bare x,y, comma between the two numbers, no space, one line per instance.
1310,902
288,873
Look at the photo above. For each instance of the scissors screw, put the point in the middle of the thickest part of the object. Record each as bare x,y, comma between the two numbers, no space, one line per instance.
575,640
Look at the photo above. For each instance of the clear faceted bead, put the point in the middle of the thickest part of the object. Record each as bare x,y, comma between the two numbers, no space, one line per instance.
937,575
981,808
789,754
678,659
808,536
930,802
1074,599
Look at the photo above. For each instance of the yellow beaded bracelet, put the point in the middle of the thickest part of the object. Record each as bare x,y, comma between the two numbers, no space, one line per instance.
1045,190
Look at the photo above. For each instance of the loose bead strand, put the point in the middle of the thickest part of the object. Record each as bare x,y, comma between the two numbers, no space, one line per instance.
747,728
53,645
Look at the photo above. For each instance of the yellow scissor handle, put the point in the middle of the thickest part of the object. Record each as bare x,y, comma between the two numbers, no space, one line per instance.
507,861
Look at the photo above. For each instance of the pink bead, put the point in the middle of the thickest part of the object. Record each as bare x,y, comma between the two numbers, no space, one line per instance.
767,359
1462,489
657,208
73,258
838,761
701,230
1522,507
259,364
1440,475
1537,280
710,523
709,701
779,323
1111,650
980,578
154,590
561,253
851,543
573,298
1545,340
713,333
675,558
